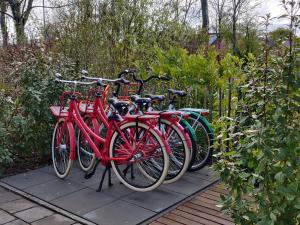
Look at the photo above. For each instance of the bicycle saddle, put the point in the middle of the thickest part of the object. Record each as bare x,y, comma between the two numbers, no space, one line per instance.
178,93
140,101
159,98
119,105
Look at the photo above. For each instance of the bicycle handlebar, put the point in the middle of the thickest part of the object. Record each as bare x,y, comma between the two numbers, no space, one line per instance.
131,72
57,80
118,80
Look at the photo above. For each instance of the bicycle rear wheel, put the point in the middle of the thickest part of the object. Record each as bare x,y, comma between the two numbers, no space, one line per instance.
85,153
61,149
139,173
204,142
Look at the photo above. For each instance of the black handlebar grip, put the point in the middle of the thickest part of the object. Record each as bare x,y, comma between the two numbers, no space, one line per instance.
56,80
122,80
100,83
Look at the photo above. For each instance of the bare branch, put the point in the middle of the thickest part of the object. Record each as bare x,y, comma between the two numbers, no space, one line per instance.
52,7
7,14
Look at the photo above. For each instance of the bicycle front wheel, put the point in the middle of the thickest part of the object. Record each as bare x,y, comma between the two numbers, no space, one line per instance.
61,149
180,152
146,148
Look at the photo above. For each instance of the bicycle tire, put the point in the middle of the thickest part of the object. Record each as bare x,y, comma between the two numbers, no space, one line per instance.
85,153
64,150
204,138
147,183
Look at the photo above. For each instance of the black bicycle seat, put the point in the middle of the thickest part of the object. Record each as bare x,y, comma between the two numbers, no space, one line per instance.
140,101
159,98
119,105
176,92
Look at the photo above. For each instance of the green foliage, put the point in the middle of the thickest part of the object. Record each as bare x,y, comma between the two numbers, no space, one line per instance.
192,72
259,148
7,105
26,124
109,37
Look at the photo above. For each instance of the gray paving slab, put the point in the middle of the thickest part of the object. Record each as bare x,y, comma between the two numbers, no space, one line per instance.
156,200
2,189
118,190
55,219
114,205
119,213
209,176
78,177
186,187
17,205
25,180
17,222
5,217
83,201
50,170
54,189
206,171
197,178
7,196
33,214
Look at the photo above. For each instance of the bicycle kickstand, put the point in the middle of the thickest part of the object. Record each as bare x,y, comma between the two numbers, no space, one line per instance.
89,175
107,169
130,166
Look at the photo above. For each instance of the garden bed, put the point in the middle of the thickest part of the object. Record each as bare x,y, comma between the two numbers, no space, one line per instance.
24,162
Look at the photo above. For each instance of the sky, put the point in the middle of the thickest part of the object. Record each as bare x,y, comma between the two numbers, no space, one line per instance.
36,19
275,9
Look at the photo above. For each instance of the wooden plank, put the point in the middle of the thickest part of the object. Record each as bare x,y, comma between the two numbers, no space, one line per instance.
207,210
194,218
201,210
167,221
207,205
221,191
205,215
214,193
156,223
180,219
209,201
212,197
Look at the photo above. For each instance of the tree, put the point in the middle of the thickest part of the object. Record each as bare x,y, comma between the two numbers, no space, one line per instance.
205,17
238,8
3,10
20,13
219,7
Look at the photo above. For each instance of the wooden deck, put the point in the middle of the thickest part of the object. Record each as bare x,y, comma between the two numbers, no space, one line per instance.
201,210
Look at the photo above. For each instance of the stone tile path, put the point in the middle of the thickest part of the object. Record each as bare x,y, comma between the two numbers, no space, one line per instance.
77,196
16,210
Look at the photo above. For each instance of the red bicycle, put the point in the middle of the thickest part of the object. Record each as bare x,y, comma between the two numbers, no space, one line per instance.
177,138
131,142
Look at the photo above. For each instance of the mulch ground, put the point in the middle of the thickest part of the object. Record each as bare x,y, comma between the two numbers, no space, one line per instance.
24,162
